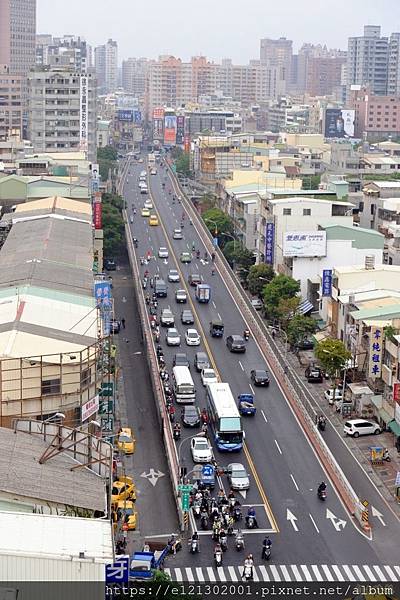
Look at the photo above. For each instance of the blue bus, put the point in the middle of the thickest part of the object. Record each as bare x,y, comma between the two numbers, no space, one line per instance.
224,418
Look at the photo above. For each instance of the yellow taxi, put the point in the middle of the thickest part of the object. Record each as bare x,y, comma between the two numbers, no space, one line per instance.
123,488
127,514
145,212
153,220
126,441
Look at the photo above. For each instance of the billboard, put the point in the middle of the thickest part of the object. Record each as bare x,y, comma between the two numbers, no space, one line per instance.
170,125
158,113
304,243
158,129
180,130
97,215
186,143
269,243
83,113
375,352
339,123
125,115
327,282
137,116
89,408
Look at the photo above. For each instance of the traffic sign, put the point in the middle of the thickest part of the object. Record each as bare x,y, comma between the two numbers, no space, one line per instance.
185,501
207,471
185,488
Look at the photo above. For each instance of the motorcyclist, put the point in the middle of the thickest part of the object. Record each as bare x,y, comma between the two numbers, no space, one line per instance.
239,539
177,430
198,254
321,422
213,256
217,551
159,351
172,542
195,538
205,256
266,546
321,487
204,416
252,513
249,563
246,334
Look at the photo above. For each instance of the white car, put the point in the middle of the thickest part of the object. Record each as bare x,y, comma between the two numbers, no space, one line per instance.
163,253
201,450
208,376
192,337
356,427
173,338
238,477
173,276
177,235
328,394
148,204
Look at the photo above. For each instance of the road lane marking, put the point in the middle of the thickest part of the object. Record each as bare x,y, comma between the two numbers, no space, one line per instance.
337,572
199,573
296,572
241,366
313,522
277,445
211,576
262,412
318,574
379,572
219,316
294,482
292,518
392,576
285,572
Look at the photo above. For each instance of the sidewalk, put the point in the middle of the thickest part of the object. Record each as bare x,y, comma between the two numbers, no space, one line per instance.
382,475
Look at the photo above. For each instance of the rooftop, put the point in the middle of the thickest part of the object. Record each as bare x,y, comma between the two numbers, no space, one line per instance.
361,237
384,184
361,269
53,481
377,312
299,199
368,295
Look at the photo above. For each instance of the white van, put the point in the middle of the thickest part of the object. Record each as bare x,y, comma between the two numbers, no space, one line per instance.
185,392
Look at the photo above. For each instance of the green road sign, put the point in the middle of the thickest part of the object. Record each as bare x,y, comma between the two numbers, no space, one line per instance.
105,406
185,488
107,389
185,501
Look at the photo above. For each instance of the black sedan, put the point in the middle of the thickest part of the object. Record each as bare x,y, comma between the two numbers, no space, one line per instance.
259,377
190,416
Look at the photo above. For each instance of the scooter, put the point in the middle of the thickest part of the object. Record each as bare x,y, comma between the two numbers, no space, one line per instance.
177,434
204,522
250,522
237,514
224,543
322,425
322,495
196,509
218,558
246,335
266,552
239,542
194,546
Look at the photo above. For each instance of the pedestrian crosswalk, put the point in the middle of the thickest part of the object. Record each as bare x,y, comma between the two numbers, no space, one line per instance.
272,572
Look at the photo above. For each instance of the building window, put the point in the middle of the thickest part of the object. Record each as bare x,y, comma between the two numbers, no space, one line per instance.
372,209
51,386
85,378
287,212
306,212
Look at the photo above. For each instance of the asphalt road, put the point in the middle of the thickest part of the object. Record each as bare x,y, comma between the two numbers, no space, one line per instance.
284,471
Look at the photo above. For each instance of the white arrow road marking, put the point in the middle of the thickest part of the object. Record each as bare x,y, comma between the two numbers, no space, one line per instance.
123,299
243,493
292,518
153,476
376,513
338,524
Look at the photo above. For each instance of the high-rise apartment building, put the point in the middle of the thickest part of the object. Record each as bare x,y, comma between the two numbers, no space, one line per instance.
134,73
373,60
68,50
376,116
10,104
17,35
319,70
106,66
62,110
393,87
278,53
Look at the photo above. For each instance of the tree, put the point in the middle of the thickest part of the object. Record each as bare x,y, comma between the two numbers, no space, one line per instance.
107,159
183,164
237,254
217,221
107,153
286,310
390,332
300,327
333,356
113,224
258,277
280,288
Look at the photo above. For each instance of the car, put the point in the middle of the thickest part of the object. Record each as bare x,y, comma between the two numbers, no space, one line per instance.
201,361
259,377
181,360
238,477
148,204
115,326
109,264
208,376
181,296
173,276
201,450
357,427
314,374
305,344
123,488
192,337
153,172
140,160
160,288
173,338
331,397
190,416
145,212
126,441
153,220
187,317
127,514
194,279
235,343
167,317
163,252
185,257
257,304
177,234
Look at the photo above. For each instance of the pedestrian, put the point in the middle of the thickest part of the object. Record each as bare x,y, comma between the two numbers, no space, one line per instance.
123,322
204,428
273,334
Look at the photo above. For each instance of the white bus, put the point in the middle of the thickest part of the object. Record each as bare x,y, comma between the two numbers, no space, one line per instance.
224,417
184,389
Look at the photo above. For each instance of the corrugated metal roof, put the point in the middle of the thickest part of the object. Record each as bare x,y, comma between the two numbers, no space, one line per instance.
55,204
376,312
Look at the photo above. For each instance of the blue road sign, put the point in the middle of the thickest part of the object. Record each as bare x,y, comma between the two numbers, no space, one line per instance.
207,471
119,571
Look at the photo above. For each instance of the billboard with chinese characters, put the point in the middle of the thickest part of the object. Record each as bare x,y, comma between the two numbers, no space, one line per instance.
304,243
180,130
186,143
170,125
125,115
89,408
102,293
83,113
327,282
97,215
269,242
375,352
339,123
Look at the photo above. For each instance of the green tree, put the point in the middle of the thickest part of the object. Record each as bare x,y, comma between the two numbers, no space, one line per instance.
107,159
333,356
237,254
280,288
217,221
113,224
183,164
258,277
299,328
107,153
390,332
286,310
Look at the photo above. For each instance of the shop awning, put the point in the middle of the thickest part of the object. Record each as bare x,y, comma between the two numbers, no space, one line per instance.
305,307
385,416
394,427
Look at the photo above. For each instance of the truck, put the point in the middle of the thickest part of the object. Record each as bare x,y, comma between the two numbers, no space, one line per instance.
143,564
203,292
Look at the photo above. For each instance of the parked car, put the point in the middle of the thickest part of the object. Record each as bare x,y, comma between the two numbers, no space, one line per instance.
257,303
314,374
357,427
190,416
181,296
181,360
167,317
332,398
186,257
192,337
201,361
235,343
173,276
110,264
187,317
177,234
201,450
173,338
126,441
163,253
115,326
194,279
238,477
259,377
305,344
208,376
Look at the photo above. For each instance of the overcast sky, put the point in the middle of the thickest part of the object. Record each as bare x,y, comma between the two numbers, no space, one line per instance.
215,28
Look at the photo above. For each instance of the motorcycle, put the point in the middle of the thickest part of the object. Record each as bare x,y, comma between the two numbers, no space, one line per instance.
218,558
204,522
142,260
322,495
250,521
177,434
144,283
321,424
194,546
196,509
246,335
239,542
237,514
266,552
223,540
248,573
229,530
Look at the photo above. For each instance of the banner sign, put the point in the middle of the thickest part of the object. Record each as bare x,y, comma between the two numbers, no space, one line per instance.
83,133
327,282
89,408
375,352
137,116
125,115
304,243
97,215
170,125
180,130
269,243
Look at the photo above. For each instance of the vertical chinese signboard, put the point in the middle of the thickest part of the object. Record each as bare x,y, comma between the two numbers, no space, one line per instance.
269,242
180,130
83,133
327,282
102,292
375,352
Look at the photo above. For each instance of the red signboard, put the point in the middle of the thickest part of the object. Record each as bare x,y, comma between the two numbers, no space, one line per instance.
396,392
158,113
97,215
187,143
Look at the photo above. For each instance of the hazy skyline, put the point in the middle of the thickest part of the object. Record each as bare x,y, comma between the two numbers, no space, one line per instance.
216,29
